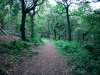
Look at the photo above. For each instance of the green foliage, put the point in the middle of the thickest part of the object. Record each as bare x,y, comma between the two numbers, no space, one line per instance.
38,41
58,8
81,59
17,48
67,48
94,50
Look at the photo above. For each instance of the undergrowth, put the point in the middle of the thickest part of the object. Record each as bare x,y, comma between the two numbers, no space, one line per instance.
18,48
36,40
81,59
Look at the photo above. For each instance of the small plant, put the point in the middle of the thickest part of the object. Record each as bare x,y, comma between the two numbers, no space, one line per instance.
38,41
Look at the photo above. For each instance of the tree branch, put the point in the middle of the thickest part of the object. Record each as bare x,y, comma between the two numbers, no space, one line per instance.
32,8
40,3
97,12
58,2
34,5
61,13
3,31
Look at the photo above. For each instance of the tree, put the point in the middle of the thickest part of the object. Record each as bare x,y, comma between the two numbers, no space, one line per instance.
31,14
54,24
88,19
26,9
4,12
66,5
83,27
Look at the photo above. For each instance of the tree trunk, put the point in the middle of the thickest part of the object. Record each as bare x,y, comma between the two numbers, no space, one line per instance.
32,14
54,34
2,23
69,27
3,31
32,27
64,36
22,28
48,31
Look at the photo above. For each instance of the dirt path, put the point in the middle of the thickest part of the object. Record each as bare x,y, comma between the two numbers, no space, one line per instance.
48,62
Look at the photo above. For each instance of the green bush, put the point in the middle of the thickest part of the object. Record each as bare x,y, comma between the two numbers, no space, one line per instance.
94,50
67,48
38,41
81,57
17,47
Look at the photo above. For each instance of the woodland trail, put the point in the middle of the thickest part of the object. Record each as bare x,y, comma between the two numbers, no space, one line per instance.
48,62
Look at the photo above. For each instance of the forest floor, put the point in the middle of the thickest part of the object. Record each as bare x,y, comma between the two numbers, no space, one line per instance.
47,62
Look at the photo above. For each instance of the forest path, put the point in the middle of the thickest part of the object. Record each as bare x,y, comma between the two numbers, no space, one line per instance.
48,62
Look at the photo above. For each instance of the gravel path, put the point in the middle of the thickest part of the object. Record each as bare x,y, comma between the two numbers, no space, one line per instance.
48,62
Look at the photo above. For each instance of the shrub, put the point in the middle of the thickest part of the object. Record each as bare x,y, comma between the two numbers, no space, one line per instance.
94,50
81,58
67,48
17,47
38,41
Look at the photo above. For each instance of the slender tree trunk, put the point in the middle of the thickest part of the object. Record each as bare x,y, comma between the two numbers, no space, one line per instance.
2,23
69,27
64,36
22,28
3,31
32,23
48,31
32,27
54,34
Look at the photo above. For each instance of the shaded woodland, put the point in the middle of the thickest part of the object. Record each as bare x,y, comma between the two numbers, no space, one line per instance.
74,29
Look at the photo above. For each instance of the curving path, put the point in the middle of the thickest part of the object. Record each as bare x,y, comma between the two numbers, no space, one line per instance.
48,62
